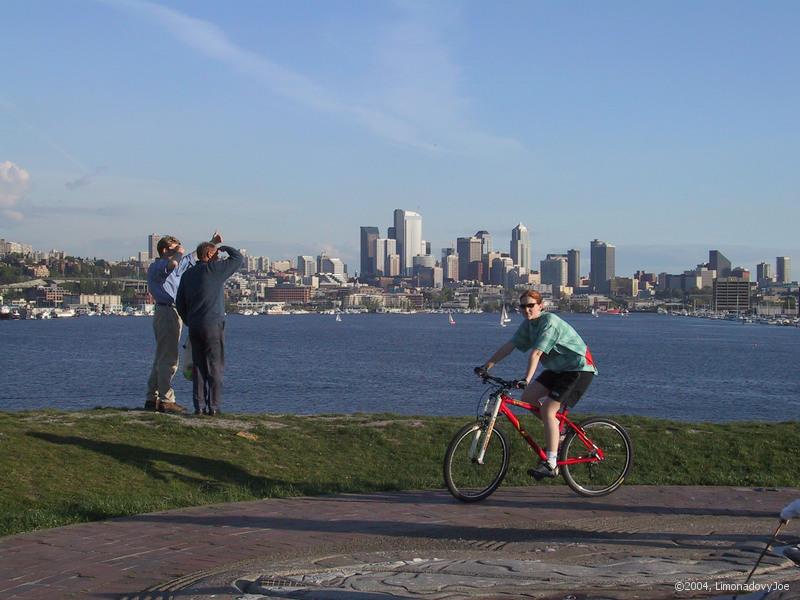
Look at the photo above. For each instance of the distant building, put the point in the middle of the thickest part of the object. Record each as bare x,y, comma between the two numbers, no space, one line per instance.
763,274
384,249
501,267
408,233
554,270
450,266
152,245
602,269
368,236
306,266
486,242
574,268
627,287
431,277
469,258
731,294
280,266
289,294
783,269
718,262
521,247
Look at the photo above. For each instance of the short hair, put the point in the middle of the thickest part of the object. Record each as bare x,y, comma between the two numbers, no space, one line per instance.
533,295
205,250
165,242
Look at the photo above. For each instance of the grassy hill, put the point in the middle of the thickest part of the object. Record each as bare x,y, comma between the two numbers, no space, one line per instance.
66,467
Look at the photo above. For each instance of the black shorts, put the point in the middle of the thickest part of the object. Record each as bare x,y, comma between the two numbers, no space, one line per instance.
566,387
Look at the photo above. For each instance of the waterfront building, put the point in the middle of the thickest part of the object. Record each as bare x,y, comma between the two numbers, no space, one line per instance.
306,266
783,269
731,294
554,270
602,265
520,247
289,294
152,245
368,236
627,287
574,268
408,233
718,262
50,296
469,258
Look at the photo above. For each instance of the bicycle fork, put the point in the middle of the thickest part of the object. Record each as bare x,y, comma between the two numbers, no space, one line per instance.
475,453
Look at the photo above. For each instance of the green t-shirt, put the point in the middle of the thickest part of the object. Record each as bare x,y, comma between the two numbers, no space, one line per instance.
562,348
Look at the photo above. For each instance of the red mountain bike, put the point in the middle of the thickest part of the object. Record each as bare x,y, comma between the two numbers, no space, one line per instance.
594,457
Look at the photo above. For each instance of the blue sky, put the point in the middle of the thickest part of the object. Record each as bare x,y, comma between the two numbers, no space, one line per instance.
666,128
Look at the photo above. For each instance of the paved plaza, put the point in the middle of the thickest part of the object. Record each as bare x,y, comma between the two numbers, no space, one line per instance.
643,542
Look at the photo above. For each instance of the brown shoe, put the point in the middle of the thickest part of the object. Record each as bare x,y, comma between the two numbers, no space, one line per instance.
172,407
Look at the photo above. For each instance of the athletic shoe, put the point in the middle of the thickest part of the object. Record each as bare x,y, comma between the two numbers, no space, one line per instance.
543,470
172,407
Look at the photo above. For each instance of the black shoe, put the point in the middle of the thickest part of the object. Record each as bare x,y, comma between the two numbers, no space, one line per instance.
151,405
543,470
197,411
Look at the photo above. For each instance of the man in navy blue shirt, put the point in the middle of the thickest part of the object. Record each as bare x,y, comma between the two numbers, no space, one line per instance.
163,278
201,304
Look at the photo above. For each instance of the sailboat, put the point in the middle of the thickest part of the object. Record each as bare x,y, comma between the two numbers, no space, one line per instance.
504,318
338,318
450,319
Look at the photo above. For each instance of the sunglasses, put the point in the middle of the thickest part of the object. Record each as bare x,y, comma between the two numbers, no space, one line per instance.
524,306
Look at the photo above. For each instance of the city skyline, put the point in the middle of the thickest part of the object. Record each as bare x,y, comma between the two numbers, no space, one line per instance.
288,128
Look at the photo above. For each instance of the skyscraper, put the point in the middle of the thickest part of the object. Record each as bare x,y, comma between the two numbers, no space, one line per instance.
602,265
385,248
469,253
553,270
520,247
763,273
152,245
306,266
408,233
574,268
718,262
486,242
368,236
783,269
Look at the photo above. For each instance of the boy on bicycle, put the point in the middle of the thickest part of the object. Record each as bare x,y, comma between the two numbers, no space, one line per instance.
568,364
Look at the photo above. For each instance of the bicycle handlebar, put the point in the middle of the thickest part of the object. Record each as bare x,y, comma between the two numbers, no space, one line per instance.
514,384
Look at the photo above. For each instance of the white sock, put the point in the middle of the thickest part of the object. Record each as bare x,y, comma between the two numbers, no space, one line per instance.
551,458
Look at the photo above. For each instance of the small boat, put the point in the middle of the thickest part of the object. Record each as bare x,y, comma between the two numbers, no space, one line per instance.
504,318
450,319
594,312
338,318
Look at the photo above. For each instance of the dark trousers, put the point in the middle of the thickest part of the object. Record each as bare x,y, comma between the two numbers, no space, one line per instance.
208,355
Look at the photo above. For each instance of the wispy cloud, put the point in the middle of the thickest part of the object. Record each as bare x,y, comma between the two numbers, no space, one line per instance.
421,108
83,180
14,182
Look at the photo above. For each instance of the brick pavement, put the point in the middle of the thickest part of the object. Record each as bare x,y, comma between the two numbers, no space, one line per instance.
122,557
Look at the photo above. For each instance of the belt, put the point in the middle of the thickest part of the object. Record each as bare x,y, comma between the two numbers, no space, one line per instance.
164,304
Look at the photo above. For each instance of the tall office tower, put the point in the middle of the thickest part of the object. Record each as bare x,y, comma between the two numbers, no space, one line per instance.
486,242
390,233
719,263
763,273
306,266
469,252
501,267
574,268
408,232
152,245
553,270
602,266
521,247
392,265
450,266
368,237
783,269
384,248
426,248
488,260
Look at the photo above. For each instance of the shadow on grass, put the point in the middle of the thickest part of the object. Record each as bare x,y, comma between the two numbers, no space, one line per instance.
207,472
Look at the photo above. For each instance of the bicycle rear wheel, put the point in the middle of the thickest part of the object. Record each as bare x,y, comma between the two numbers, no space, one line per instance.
601,477
465,478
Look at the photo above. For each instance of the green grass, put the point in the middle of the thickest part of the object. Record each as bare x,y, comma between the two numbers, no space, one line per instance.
59,468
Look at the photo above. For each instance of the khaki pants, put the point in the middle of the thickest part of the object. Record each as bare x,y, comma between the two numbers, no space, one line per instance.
167,328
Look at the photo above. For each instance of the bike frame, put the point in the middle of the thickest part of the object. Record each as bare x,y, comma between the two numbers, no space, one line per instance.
502,405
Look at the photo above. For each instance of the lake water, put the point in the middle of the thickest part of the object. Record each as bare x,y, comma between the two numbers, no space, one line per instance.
672,367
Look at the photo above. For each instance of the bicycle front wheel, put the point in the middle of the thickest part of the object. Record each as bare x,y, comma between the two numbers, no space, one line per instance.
465,478
604,476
